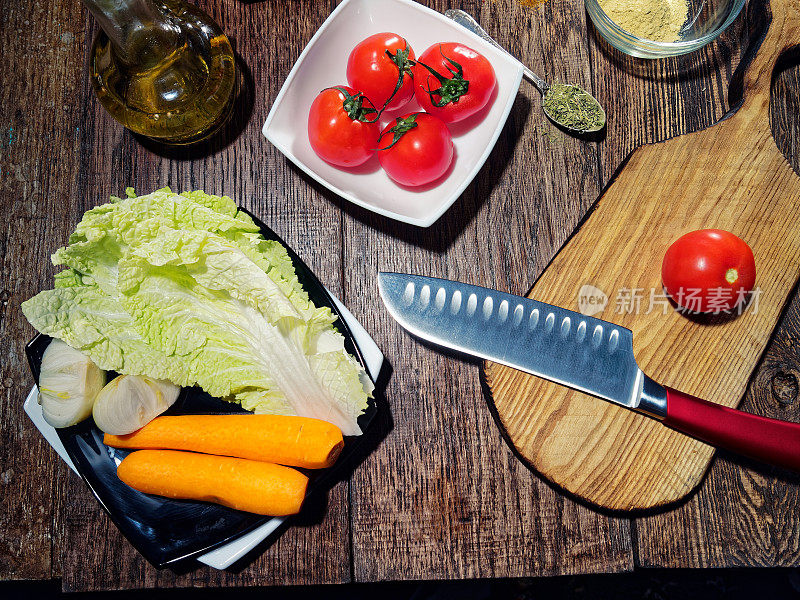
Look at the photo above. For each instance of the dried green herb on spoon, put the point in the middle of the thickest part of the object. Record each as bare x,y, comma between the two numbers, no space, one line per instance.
575,116
573,108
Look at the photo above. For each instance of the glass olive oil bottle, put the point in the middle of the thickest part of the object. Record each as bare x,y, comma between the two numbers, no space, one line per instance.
162,68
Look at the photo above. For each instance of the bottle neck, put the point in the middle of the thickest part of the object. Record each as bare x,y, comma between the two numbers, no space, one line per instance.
127,23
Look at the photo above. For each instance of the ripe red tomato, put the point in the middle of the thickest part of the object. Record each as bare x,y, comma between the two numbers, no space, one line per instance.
452,81
709,270
341,127
375,65
419,150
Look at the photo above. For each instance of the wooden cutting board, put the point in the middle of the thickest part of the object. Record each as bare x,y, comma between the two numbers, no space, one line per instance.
731,176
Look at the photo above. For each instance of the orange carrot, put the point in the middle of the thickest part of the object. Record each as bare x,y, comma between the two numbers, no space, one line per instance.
248,485
292,441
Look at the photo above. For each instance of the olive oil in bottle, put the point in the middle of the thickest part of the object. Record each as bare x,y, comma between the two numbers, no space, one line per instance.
162,68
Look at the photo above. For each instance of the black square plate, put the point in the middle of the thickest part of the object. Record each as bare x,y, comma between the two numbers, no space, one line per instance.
166,531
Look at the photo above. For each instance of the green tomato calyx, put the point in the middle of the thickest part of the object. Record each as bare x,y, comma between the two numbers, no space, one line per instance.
450,88
401,127
353,105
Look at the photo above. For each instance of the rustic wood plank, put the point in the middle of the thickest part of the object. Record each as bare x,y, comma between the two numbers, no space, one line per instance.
649,101
316,548
471,509
37,130
442,496
743,514
730,176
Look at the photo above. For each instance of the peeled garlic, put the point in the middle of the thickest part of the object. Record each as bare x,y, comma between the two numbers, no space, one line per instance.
68,383
129,402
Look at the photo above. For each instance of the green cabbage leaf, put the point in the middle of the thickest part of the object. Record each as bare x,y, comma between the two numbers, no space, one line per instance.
183,287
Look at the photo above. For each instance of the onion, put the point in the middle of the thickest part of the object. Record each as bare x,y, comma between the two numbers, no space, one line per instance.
129,402
68,384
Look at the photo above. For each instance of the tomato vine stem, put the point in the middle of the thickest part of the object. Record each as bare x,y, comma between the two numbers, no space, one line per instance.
404,64
353,105
400,128
450,89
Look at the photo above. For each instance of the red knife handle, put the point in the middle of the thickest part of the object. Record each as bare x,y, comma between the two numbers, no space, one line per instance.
768,440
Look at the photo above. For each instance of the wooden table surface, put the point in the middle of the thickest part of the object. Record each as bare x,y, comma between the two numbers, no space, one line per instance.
440,494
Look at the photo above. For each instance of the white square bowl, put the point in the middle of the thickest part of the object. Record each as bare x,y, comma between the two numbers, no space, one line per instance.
323,64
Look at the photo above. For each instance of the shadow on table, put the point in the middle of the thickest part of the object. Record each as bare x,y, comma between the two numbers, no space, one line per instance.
240,116
316,505
673,69
487,393
734,460
692,66
441,235
654,583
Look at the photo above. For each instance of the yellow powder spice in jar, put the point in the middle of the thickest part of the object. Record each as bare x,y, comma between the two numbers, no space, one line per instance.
656,20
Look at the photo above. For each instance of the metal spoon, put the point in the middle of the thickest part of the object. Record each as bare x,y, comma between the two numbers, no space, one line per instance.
468,22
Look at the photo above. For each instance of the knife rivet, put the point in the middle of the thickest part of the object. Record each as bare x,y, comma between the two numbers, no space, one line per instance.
488,307
472,304
408,294
455,302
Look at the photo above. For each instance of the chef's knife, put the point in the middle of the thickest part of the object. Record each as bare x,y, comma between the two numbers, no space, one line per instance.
582,352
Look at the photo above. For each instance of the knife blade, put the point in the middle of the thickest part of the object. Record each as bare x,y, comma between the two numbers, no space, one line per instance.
582,352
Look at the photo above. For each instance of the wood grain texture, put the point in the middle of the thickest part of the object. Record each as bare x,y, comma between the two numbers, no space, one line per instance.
37,130
316,548
731,176
649,101
440,494
744,513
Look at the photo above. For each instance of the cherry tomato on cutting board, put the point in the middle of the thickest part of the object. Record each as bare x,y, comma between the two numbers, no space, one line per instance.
342,127
374,67
415,149
452,81
709,270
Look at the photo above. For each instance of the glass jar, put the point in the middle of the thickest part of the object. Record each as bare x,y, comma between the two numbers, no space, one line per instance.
162,68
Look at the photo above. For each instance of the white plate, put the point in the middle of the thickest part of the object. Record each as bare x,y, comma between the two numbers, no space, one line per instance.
323,64
224,556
